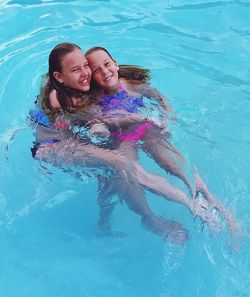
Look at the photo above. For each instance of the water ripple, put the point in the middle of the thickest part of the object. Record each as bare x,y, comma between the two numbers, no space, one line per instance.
205,71
120,19
35,32
201,5
157,27
31,3
241,32
200,50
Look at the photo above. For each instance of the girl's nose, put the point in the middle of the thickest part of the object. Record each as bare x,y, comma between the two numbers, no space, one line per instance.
104,70
84,72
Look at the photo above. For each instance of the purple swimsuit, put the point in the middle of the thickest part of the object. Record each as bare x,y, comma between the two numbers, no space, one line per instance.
123,101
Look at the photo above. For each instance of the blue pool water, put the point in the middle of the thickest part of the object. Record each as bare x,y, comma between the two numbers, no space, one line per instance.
198,53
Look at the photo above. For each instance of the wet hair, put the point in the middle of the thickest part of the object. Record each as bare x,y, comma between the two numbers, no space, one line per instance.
133,73
64,94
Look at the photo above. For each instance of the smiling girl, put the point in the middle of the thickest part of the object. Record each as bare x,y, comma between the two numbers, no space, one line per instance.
120,97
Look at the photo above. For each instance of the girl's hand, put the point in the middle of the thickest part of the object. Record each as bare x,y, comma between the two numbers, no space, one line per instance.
54,100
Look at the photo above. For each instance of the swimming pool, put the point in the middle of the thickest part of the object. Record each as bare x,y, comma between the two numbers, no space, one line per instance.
198,52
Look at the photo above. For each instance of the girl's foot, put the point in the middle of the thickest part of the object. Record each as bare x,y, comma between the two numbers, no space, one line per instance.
169,230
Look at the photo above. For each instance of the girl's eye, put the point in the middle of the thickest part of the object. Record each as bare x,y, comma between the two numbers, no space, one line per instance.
107,64
75,70
95,71
86,65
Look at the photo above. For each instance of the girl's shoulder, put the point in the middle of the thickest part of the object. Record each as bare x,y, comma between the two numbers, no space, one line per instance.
53,99
134,88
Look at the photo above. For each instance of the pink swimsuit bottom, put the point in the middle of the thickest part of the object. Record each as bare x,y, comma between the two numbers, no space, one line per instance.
133,136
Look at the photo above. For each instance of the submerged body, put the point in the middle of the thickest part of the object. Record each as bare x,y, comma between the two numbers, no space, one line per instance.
71,71
57,145
118,95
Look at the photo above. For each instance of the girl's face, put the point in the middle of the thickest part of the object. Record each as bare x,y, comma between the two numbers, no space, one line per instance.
76,73
104,70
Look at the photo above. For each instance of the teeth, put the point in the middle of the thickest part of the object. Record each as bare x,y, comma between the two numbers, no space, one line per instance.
108,78
84,82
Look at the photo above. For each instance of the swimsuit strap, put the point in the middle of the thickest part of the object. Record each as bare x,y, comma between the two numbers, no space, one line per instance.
121,87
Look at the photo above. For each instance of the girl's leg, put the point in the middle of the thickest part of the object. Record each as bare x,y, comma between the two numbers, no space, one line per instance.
73,152
156,146
130,191
125,184
127,187
106,206
161,186
201,187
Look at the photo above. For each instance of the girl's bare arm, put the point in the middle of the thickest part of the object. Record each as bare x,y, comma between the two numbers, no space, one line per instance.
146,90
